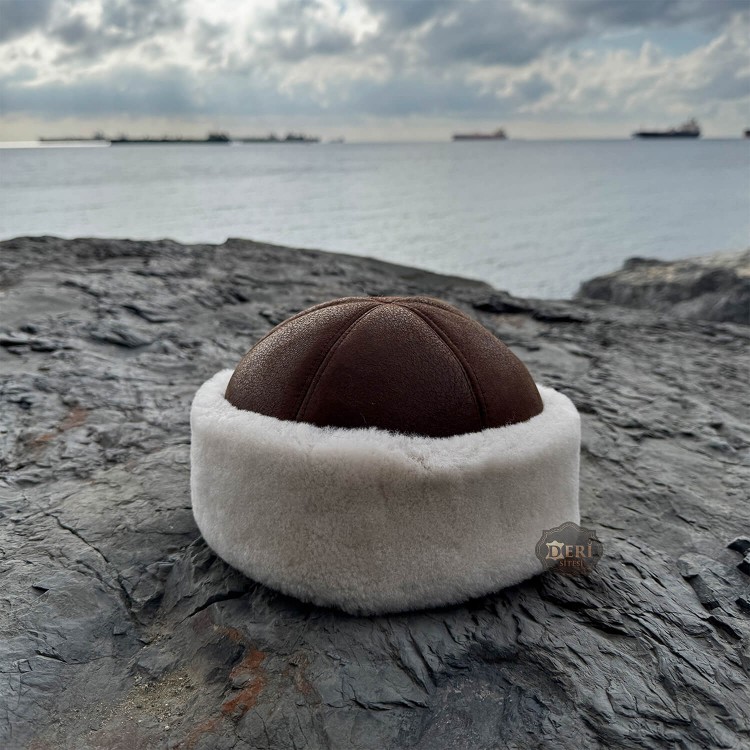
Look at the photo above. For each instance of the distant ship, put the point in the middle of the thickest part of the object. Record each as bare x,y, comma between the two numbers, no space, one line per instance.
211,138
101,139
498,135
98,137
747,132
690,129
273,138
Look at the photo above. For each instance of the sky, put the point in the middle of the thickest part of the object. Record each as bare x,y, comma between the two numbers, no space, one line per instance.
372,69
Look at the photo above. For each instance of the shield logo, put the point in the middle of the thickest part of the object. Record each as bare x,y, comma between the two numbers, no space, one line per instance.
569,549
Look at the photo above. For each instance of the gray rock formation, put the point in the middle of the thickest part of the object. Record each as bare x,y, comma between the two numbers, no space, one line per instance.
715,287
120,629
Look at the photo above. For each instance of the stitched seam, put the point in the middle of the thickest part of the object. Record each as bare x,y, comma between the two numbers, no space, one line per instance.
423,301
468,373
327,360
458,313
302,313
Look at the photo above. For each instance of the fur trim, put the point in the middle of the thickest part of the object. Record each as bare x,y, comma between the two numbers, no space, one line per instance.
373,521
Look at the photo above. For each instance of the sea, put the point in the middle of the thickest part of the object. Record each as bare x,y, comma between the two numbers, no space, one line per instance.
532,217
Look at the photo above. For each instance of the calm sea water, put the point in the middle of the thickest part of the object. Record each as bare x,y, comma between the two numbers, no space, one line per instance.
533,217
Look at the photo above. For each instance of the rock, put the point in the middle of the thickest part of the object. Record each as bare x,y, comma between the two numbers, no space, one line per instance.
549,311
741,544
710,288
153,313
503,304
120,335
121,628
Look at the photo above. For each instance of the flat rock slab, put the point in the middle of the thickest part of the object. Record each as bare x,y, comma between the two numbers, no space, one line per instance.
120,629
712,287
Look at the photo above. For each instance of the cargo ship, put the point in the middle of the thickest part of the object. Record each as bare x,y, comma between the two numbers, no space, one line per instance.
211,138
98,139
689,129
498,135
273,138
102,140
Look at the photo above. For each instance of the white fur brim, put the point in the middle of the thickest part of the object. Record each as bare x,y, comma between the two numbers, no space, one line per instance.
372,521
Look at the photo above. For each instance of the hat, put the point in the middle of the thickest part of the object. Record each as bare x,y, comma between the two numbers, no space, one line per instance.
382,454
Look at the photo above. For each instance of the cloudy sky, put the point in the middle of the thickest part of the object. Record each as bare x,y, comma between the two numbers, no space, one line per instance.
372,69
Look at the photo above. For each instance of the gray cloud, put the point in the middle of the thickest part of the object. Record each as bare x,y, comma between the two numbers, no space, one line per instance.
122,23
409,15
481,34
419,94
728,86
172,92
135,18
292,33
308,42
208,40
73,31
450,96
19,17
637,14
488,32
435,57
531,89
125,91
134,91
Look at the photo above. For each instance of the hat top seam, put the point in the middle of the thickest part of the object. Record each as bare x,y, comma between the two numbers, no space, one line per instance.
468,373
313,383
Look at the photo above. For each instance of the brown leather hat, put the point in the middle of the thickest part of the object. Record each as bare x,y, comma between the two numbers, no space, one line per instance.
408,364
381,454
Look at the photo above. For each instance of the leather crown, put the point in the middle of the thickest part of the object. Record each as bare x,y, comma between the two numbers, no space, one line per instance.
413,365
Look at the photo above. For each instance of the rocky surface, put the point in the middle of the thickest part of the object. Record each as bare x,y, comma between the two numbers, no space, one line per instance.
714,287
120,629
